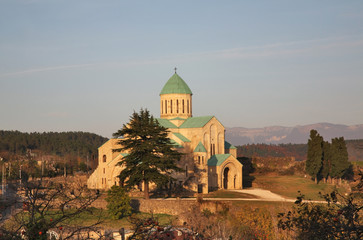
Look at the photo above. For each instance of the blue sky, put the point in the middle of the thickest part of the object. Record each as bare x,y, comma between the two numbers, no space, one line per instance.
87,65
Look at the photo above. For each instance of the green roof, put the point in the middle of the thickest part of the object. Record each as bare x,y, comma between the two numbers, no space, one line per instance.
227,145
175,85
192,122
124,154
105,142
175,144
200,148
218,159
181,137
166,123
178,118
196,122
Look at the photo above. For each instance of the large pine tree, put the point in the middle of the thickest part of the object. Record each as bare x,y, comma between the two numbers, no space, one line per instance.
315,153
151,157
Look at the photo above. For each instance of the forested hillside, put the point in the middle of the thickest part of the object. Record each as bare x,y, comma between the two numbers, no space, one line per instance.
298,151
81,144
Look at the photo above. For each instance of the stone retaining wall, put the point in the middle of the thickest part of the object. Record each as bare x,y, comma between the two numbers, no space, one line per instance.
169,206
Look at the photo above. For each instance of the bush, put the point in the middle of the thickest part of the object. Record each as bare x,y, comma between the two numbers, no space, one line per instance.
332,220
118,202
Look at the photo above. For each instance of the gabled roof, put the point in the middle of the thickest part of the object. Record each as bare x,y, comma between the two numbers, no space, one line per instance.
181,137
192,122
175,84
218,159
105,142
166,123
175,144
178,118
227,145
200,148
196,122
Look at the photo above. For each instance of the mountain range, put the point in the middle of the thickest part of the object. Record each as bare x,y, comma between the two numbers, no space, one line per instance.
298,134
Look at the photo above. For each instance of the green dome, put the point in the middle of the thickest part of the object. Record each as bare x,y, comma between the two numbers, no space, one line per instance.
175,85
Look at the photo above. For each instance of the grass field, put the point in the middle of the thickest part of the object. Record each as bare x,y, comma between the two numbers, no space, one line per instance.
289,186
227,194
86,219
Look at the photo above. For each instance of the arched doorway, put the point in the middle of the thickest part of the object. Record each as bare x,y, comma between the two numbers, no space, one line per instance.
225,178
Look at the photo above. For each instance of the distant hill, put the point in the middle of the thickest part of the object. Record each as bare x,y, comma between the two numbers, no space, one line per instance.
296,135
81,144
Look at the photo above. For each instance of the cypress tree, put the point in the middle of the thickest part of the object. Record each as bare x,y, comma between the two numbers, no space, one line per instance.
339,159
314,156
326,166
151,157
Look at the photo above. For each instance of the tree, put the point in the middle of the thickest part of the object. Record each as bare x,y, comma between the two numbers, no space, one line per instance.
314,156
118,202
50,208
326,166
339,159
151,157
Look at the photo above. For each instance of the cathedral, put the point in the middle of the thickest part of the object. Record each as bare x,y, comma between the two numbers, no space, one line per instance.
209,161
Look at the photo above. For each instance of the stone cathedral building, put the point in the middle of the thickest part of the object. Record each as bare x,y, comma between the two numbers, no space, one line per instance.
209,161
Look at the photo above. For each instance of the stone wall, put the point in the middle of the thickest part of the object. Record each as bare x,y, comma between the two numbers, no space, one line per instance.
174,207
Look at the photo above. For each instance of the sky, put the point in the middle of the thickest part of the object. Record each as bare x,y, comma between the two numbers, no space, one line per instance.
87,65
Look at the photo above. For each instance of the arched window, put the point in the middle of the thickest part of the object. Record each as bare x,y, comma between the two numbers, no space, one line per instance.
187,106
198,159
104,158
171,106
177,106
166,106
202,159
183,105
212,149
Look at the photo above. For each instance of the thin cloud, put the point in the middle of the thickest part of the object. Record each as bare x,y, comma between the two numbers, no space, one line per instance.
284,48
313,46
46,69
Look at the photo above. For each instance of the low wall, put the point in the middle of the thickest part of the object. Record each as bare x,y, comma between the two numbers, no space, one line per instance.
169,206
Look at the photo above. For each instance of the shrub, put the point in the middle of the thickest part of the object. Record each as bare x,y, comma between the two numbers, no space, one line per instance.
332,220
118,202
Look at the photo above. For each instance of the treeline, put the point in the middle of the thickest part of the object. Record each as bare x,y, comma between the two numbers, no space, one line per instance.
81,144
298,151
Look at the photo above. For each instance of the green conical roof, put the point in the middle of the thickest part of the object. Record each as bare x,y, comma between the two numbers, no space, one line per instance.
175,85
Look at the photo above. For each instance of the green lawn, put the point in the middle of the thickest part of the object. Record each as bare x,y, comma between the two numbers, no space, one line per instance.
227,194
289,186
108,223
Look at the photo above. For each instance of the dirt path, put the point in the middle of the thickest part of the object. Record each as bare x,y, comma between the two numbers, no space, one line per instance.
264,195
258,193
